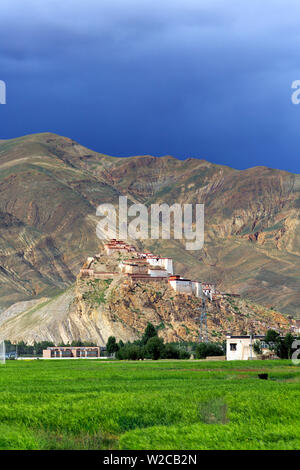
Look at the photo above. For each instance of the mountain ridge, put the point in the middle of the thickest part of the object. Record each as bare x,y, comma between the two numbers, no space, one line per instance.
50,187
186,159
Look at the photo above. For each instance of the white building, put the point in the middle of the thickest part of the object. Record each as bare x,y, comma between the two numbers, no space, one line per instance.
157,271
241,347
165,263
181,285
118,246
197,288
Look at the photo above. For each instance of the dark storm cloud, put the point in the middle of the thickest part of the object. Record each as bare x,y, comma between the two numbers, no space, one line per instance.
189,78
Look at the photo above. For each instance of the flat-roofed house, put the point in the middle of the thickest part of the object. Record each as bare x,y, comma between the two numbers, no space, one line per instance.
241,347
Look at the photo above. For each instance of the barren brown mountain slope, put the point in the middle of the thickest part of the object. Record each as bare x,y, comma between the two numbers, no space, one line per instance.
50,187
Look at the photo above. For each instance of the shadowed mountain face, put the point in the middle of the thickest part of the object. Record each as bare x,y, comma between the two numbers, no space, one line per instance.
50,187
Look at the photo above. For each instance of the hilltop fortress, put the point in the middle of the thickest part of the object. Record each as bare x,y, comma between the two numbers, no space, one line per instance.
137,266
120,290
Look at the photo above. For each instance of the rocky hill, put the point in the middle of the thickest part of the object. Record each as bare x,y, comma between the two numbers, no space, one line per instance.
94,309
50,187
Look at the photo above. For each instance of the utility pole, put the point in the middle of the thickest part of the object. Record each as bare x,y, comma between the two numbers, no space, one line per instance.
203,323
2,352
251,333
203,333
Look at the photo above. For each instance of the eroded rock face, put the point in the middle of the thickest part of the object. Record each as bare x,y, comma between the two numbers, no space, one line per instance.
133,306
93,310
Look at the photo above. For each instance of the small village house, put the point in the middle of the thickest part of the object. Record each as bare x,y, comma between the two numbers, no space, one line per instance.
241,347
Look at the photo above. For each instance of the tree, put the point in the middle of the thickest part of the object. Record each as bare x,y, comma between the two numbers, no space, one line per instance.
272,338
130,352
155,348
150,332
208,349
284,346
9,347
257,347
23,348
183,354
150,346
77,344
201,351
134,352
288,341
40,346
175,351
111,345
171,352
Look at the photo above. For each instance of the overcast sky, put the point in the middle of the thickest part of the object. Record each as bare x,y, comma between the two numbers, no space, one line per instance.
203,78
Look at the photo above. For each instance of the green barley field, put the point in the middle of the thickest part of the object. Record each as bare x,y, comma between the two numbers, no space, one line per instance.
93,404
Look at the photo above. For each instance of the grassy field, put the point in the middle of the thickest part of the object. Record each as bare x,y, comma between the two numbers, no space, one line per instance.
87,404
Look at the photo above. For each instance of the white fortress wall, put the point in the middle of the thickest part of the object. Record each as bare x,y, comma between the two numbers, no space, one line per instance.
157,272
166,263
181,286
197,288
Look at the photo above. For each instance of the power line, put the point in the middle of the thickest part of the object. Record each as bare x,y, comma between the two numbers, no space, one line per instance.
203,331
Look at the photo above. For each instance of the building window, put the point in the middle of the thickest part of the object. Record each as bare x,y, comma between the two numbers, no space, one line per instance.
232,346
